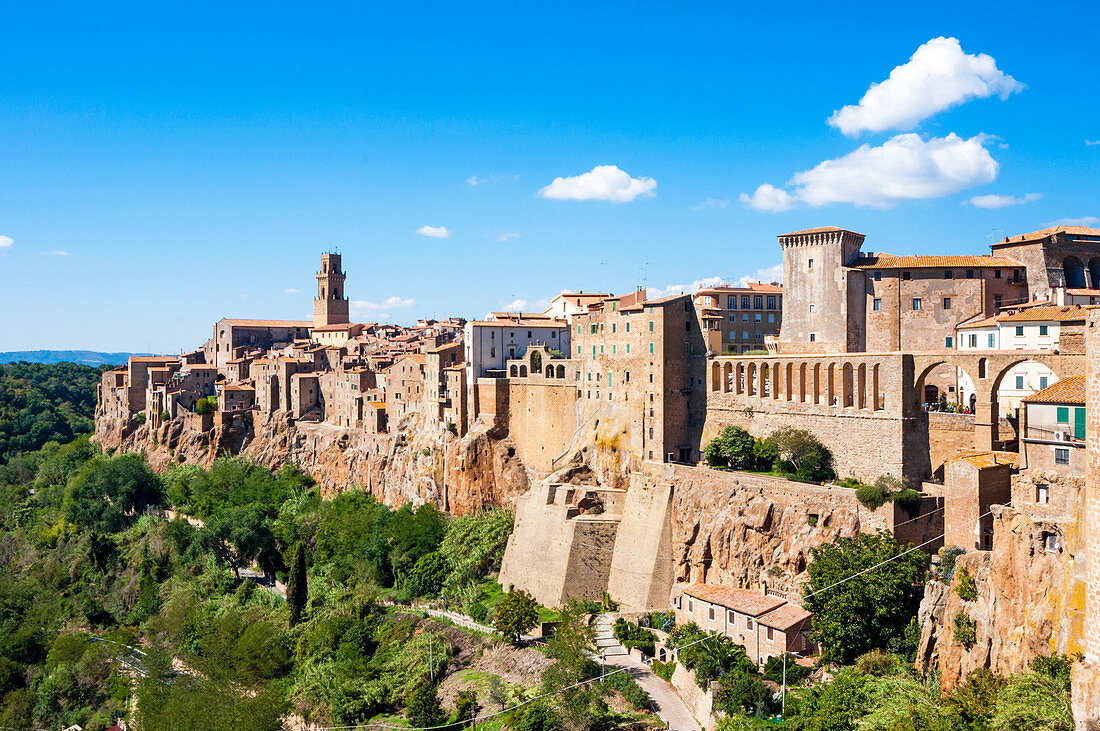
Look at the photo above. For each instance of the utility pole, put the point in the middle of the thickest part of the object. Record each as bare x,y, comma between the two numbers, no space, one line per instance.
431,660
783,696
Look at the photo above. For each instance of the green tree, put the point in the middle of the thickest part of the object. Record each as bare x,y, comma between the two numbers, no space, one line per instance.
516,613
297,591
857,612
806,455
573,636
423,708
732,448
427,575
466,707
498,691
838,705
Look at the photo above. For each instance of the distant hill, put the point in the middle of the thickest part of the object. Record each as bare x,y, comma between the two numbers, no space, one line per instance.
82,357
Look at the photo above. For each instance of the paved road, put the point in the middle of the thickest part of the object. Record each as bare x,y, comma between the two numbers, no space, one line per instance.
670,707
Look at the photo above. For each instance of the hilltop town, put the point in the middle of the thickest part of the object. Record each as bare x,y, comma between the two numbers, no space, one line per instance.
967,380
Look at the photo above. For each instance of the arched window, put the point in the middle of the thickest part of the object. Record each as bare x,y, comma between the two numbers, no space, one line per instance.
523,371
1075,272
549,371
561,371
513,371
336,294
1094,272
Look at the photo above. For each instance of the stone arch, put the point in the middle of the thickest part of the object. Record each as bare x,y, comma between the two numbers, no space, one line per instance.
727,371
715,376
739,379
830,385
802,383
983,364
1004,400
847,387
549,371
1094,272
861,386
1074,272
953,385
788,392
561,371
523,371
817,383
878,402
513,371
750,380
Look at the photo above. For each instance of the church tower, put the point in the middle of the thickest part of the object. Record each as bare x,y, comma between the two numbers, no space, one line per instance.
330,307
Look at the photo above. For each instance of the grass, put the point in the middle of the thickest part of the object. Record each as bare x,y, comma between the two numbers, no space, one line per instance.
492,592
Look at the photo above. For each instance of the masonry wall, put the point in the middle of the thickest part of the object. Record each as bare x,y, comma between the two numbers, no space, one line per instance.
540,418
641,573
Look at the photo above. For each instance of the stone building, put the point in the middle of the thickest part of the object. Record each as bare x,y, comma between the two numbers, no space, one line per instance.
1052,430
330,306
234,337
405,384
738,319
973,482
1057,257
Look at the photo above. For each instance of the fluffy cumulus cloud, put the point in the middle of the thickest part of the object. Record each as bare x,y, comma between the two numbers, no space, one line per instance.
766,275
768,198
1002,201
938,76
393,303
904,167
6,242
434,232
658,292
602,183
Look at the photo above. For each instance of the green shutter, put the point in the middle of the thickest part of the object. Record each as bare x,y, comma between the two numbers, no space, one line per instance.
1063,415
1079,422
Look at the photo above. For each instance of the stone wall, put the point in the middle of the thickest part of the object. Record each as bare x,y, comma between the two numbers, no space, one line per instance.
699,702
641,564
540,418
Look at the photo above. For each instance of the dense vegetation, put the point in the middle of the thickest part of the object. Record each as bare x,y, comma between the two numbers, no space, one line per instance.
40,403
787,451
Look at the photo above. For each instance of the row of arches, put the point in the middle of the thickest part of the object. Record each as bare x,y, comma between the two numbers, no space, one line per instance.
551,371
839,384
1074,271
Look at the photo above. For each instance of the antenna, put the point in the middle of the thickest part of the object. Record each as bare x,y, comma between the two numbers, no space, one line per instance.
645,275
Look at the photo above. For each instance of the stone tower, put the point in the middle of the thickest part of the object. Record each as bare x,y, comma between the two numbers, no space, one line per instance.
330,307
823,304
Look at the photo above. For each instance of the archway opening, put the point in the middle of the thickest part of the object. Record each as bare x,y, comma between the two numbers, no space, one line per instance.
1074,272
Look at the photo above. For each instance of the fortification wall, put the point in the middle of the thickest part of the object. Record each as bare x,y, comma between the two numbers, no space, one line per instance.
641,564
540,419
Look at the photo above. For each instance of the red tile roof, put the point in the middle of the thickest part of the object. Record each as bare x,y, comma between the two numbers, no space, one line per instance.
269,323
820,230
1046,313
891,261
1084,292
739,600
1045,232
1069,390
785,617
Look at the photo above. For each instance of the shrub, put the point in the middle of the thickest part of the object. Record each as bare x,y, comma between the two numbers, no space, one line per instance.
909,499
811,519
967,589
663,670
872,497
632,636
773,671
947,562
139,418
629,688
732,448
966,630
806,456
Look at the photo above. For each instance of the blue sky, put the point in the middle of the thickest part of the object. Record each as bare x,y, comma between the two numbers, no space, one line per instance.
165,165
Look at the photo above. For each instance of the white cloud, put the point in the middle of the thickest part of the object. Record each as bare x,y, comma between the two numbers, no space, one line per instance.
474,180
1090,143
291,290
1079,221
55,252
712,203
768,198
361,306
602,183
1001,201
516,305
6,242
938,76
767,275
435,232
242,296
505,236
904,167
657,293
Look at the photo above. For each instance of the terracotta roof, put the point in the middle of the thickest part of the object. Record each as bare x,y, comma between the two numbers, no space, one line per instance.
1046,313
344,326
739,600
985,458
547,322
891,261
380,405
751,288
419,358
1045,232
305,375
1069,390
201,367
236,387
445,346
785,617
820,230
983,322
662,300
152,358
268,323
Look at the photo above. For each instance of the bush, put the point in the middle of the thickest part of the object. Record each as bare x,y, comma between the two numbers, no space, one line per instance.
663,670
947,562
732,448
967,589
802,453
966,630
773,671
629,688
871,496
909,499
632,636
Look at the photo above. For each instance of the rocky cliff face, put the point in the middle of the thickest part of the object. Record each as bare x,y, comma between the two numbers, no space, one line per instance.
417,462
1030,601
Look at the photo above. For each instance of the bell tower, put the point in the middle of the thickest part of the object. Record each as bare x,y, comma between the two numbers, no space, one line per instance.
330,307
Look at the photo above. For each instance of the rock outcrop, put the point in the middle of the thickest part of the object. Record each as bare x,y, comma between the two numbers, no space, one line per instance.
1030,601
418,462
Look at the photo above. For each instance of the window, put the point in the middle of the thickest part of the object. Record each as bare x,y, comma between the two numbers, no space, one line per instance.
691,605
947,342
1062,415
744,318
1043,329
733,302
813,337
878,276
594,329
628,348
757,303
744,334
771,319
651,347
745,303
876,305
1042,494
974,340
948,274
528,334
1019,331
730,616
1019,383
810,264
578,350
905,275
710,613
628,327
997,301
627,376
1042,382
612,328
969,273
916,303
614,349
813,307
996,273
651,325
601,350
1061,455
947,303
748,622
992,340
771,634
492,352
1050,542
758,318
771,303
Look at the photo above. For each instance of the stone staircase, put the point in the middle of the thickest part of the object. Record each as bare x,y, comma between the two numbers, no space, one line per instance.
605,636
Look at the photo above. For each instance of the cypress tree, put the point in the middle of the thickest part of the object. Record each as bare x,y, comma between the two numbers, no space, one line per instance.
297,592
